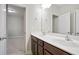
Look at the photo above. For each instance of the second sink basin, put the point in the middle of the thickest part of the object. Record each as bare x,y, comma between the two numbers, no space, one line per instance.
61,41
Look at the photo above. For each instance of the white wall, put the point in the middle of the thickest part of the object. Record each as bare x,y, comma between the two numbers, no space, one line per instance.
46,20
35,18
15,26
77,21
37,14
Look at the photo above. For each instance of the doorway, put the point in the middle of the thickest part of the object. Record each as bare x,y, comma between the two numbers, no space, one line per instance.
55,23
15,24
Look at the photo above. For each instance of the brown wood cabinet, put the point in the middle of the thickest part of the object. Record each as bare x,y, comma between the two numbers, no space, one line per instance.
54,50
47,52
40,50
40,47
34,46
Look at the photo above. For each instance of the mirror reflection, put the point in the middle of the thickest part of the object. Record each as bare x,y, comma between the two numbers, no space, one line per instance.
61,18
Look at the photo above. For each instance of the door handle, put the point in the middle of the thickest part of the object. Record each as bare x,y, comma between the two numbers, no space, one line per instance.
3,38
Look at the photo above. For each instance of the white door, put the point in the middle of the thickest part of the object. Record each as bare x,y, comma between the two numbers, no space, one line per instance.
2,29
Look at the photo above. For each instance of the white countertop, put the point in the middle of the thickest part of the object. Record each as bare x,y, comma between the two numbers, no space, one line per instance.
60,42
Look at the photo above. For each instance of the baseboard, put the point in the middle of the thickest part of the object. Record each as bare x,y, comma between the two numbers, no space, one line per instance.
28,52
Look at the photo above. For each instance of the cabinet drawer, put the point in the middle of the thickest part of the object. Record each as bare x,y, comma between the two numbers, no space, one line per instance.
40,50
34,38
54,50
40,42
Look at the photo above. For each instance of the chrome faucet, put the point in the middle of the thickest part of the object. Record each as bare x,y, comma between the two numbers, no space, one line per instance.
67,37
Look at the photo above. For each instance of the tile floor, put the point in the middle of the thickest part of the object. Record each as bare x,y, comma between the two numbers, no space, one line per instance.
16,46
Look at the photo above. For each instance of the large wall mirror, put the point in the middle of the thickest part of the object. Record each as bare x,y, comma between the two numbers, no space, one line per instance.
61,18
61,24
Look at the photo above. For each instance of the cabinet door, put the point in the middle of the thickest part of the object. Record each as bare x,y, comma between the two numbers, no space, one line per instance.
40,50
47,53
34,47
54,50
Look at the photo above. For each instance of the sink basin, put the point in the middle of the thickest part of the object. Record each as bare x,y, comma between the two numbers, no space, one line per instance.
58,40
61,41
68,43
53,37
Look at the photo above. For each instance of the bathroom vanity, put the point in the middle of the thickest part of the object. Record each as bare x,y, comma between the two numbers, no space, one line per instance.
40,47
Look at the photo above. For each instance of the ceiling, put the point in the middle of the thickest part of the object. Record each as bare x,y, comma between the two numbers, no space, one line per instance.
17,10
